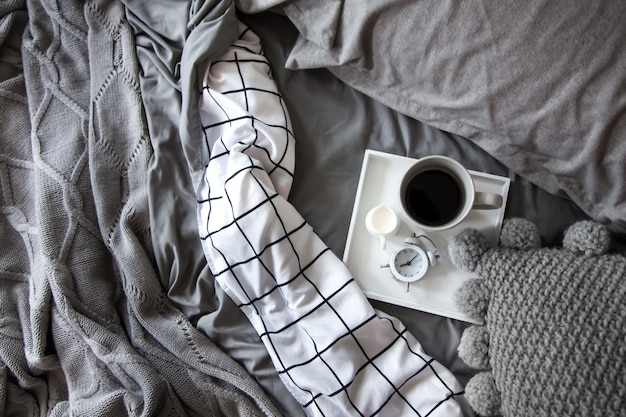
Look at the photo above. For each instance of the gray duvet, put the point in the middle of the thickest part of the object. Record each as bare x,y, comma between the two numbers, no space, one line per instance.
539,86
101,268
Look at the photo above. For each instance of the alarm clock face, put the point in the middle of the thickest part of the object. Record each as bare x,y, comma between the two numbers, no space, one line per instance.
409,263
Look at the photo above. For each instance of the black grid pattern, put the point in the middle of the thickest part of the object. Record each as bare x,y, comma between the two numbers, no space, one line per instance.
335,353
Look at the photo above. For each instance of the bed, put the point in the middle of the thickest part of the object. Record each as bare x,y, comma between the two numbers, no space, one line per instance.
178,182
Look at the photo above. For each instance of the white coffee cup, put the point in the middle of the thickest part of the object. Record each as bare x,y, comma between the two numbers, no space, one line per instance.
437,193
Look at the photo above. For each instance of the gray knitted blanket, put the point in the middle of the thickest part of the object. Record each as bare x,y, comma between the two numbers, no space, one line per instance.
86,327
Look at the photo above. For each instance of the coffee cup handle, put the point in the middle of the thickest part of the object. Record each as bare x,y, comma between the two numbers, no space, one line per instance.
487,201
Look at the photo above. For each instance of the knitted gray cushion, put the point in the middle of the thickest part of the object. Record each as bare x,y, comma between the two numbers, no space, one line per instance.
553,341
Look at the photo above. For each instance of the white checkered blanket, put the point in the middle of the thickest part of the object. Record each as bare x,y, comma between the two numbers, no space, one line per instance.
335,353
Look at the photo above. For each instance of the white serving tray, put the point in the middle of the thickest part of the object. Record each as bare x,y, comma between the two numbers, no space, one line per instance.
379,184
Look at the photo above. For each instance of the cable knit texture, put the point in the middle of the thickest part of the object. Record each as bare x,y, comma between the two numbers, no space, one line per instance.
554,335
86,329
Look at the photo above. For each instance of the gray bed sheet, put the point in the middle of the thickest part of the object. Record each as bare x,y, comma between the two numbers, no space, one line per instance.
334,125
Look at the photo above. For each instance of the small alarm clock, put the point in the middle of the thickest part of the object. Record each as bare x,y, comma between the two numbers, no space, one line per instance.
411,261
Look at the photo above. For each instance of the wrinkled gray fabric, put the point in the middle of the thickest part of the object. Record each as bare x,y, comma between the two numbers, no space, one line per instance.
170,41
540,85
86,326
76,262
333,124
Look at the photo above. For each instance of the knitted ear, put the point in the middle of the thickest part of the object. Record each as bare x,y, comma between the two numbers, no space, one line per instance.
481,393
520,234
587,237
466,249
472,298
474,347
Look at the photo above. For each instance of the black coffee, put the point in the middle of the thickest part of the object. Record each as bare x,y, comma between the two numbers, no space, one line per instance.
433,197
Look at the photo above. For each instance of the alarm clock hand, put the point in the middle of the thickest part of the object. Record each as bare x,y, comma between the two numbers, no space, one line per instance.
409,262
